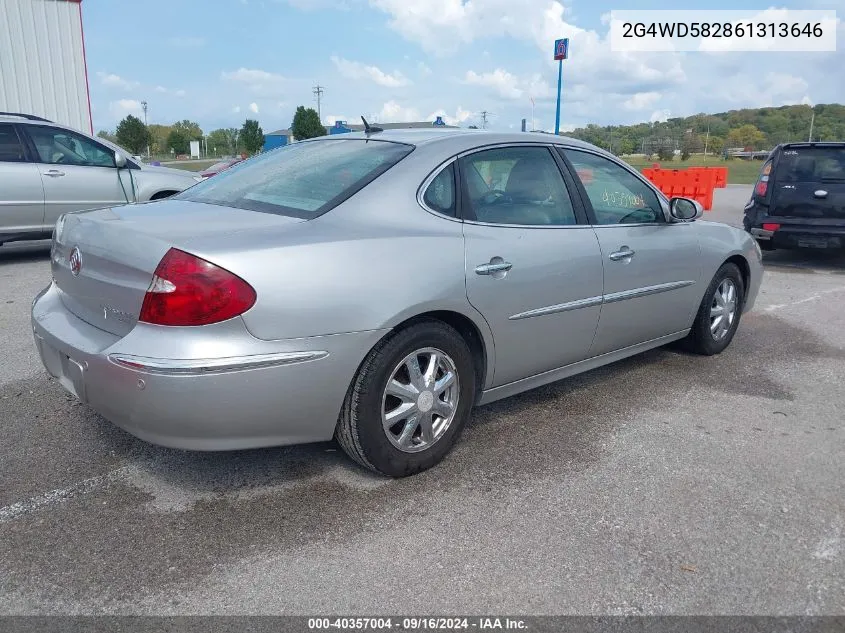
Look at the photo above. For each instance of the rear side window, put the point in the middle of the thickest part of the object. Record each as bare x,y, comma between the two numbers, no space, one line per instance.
440,194
11,148
302,180
811,164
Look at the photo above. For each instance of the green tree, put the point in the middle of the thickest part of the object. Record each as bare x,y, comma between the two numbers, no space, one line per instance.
107,134
626,146
132,134
159,134
715,145
746,136
306,124
219,141
252,136
190,130
178,142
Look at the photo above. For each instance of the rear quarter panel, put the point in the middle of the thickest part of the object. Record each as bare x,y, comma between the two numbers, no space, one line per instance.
371,263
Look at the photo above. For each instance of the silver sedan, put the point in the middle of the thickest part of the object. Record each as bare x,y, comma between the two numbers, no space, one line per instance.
375,287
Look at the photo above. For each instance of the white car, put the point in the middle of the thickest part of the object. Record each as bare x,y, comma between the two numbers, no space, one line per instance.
47,169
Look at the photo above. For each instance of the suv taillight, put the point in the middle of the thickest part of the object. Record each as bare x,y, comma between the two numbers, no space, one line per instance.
762,185
188,290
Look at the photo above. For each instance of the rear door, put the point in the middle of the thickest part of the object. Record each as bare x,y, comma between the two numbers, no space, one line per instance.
77,172
651,266
532,268
809,183
21,193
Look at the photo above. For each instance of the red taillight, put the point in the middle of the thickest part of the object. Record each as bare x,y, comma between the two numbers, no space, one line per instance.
761,188
187,290
770,227
763,182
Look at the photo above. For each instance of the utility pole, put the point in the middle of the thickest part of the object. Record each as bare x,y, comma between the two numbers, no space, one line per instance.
318,92
812,120
144,107
533,124
484,114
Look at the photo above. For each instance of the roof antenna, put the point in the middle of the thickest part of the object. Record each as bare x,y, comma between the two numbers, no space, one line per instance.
370,129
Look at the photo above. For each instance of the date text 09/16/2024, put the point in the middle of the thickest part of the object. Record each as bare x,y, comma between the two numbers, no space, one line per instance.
416,623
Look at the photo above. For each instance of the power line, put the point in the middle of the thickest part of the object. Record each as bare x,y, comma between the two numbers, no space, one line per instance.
318,92
484,114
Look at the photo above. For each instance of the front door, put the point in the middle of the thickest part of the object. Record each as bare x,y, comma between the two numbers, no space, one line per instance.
21,193
651,266
532,269
77,172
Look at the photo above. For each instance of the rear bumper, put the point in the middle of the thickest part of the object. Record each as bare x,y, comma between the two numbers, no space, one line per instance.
801,236
218,388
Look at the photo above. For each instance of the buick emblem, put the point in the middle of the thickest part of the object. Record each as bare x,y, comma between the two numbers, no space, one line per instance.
75,260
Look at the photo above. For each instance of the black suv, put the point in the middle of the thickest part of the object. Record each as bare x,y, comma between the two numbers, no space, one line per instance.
799,198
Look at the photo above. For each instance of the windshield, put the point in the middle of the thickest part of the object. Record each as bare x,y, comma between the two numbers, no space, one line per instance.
302,180
812,164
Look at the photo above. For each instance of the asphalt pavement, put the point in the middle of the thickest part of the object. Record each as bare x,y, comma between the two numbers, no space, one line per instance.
663,484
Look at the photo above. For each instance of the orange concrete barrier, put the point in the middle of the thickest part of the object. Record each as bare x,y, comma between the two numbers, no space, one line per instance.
695,182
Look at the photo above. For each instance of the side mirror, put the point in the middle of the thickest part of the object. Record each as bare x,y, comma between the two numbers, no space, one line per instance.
119,160
685,209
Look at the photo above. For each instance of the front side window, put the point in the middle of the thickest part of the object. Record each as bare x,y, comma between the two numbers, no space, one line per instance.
617,196
11,148
516,185
302,180
56,146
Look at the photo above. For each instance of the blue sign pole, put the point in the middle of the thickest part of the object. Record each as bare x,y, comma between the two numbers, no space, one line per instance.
559,86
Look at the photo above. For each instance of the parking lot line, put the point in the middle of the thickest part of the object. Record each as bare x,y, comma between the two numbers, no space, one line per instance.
20,508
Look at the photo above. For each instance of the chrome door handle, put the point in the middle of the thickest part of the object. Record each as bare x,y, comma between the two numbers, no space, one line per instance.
489,269
624,253
55,173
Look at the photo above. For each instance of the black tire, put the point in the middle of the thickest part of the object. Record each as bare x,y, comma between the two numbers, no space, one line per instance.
359,429
701,340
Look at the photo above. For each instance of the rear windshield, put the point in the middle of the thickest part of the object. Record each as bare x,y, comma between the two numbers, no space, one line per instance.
812,164
301,180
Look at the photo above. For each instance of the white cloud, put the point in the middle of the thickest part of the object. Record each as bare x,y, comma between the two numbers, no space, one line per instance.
501,82
259,82
253,107
393,112
357,70
660,116
460,116
160,89
236,109
120,108
504,84
641,100
179,93
424,69
116,81
331,118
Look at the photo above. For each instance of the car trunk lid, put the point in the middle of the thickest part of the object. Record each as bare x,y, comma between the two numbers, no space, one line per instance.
809,183
103,260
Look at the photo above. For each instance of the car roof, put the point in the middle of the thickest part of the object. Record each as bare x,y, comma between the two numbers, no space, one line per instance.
463,137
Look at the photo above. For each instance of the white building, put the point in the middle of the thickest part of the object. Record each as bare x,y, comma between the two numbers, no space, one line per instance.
42,61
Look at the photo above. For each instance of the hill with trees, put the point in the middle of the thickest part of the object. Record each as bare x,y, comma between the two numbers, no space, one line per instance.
754,128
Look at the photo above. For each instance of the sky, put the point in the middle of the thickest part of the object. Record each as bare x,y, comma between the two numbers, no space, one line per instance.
218,62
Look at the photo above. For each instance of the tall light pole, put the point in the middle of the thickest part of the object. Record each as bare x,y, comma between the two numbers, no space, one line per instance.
144,106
